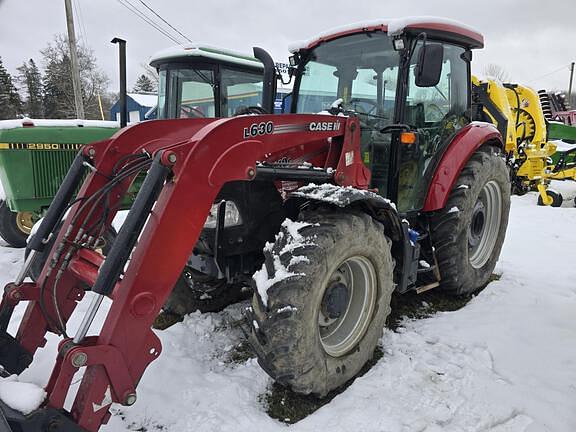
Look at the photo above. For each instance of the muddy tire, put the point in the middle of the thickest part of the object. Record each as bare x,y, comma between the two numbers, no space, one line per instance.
469,232
314,330
12,226
195,291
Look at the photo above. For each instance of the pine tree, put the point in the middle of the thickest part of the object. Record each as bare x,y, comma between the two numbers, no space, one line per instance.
31,80
144,85
10,104
58,90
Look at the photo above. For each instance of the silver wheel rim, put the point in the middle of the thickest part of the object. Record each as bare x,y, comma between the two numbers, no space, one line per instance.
340,335
485,224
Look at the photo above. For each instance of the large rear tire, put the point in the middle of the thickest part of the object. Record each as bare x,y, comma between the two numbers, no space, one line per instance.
14,226
469,232
322,299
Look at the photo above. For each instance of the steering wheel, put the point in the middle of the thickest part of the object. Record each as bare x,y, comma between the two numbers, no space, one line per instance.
433,113
190,112
254,109
358,104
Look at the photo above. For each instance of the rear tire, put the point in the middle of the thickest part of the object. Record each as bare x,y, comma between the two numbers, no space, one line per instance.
14,226
318,327
469,232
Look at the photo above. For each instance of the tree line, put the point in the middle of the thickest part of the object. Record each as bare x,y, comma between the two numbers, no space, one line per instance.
48,93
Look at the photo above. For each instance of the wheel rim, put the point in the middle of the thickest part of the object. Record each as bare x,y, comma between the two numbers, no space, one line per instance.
24,222
342,326
485,224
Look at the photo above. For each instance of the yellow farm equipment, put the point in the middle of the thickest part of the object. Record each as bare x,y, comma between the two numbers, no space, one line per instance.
517,113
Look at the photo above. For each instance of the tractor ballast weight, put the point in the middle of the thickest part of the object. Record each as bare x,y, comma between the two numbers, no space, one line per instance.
327,182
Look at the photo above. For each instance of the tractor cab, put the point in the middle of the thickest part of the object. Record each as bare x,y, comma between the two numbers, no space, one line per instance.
198,81
407,81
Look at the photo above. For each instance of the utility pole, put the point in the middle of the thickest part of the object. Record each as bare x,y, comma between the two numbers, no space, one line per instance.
74,62
570,85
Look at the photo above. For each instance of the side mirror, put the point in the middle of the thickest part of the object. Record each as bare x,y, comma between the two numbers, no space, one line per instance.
429,65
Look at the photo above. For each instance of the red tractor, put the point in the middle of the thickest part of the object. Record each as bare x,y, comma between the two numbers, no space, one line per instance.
301,206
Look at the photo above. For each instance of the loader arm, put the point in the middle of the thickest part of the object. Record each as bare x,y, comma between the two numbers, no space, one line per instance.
192,159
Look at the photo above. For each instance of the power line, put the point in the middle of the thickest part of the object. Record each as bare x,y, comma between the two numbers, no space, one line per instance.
80,19
146,19
549,73
170,25
132,8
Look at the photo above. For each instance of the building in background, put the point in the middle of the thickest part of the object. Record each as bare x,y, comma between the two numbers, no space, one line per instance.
140,107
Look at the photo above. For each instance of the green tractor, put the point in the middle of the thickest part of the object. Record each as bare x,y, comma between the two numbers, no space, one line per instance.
195,81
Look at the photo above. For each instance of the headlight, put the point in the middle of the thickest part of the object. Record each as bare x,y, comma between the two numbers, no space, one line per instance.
231,217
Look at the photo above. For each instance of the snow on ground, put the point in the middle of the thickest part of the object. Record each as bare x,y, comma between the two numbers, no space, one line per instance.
506,362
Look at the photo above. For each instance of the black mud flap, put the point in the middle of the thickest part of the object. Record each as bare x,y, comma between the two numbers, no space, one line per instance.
13,358
42,420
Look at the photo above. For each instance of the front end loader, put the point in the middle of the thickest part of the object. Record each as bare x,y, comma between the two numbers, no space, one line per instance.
391,188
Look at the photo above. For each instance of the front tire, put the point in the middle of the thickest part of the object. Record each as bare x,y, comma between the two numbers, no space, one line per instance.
14,226
322,299
469,232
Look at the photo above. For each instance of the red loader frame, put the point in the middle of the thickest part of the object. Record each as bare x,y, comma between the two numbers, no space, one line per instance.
192,160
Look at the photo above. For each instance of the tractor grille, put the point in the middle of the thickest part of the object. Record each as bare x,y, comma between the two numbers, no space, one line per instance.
48,170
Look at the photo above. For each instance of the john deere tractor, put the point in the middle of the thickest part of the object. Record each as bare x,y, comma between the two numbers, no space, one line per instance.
379,181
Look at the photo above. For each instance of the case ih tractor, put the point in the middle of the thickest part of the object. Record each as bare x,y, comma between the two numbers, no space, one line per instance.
299,205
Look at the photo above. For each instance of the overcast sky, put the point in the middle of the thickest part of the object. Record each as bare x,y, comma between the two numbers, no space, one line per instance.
533,40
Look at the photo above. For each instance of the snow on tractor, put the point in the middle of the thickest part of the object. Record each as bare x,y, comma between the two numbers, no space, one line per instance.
378,182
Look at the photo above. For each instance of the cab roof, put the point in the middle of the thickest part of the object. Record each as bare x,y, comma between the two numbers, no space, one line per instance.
443,28
206,52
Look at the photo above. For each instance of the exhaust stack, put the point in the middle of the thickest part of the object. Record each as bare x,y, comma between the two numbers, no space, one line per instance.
122,58
269,87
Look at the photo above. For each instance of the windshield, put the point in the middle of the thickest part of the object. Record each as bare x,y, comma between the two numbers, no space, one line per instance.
361,70
192,92
186,93
240,90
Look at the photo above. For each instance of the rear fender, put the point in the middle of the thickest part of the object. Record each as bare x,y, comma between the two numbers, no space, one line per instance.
404,251
459,151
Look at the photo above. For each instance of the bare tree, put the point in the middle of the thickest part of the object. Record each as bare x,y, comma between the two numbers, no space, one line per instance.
58,92
496,72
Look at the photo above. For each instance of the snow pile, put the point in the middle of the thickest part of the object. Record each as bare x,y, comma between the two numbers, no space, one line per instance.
21,396
294,240
11,124
563,146
206,51
394,25
341,196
